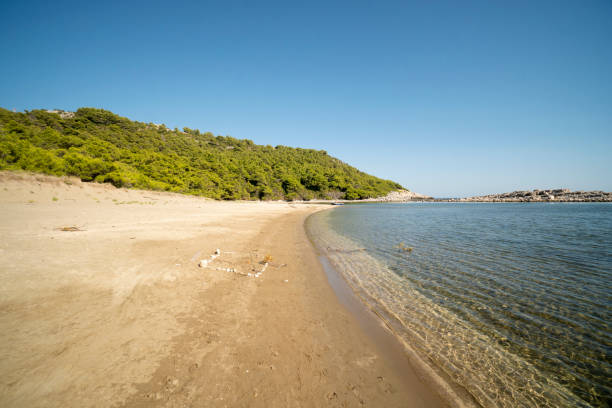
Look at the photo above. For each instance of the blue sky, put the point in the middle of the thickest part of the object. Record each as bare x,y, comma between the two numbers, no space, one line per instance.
448,98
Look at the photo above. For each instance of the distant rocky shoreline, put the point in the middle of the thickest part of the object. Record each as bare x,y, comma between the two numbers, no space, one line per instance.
552,195
556,195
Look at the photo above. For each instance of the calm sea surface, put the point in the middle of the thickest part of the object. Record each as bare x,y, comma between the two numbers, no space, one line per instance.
511,301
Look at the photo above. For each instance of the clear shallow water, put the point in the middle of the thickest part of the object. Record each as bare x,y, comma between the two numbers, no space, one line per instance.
511,301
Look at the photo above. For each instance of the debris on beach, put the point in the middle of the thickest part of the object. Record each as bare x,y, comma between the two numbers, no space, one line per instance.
226,269
69,229
265,262
205,263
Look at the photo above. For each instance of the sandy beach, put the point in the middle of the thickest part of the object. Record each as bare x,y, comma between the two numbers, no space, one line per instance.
102,303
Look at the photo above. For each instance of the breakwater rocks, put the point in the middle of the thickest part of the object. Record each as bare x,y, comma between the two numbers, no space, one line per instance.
556,195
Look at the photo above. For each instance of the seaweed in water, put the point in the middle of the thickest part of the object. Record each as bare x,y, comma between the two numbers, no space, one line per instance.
403,247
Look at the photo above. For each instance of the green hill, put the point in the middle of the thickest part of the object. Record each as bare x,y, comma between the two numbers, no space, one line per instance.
98,145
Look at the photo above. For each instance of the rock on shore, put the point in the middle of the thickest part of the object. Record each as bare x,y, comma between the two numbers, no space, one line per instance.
556,195
400,196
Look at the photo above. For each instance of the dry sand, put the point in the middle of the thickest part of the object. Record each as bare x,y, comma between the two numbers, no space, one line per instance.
118,313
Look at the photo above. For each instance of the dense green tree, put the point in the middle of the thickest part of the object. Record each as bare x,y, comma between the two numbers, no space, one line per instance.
98,145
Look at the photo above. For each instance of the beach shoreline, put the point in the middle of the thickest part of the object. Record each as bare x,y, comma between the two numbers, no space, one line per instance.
450,282
382,327
103,303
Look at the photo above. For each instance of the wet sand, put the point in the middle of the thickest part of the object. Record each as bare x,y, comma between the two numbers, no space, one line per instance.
116,311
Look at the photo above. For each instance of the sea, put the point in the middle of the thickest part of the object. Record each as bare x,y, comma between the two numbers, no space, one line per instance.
511,303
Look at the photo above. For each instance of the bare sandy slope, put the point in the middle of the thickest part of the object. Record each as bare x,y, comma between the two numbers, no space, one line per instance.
119,314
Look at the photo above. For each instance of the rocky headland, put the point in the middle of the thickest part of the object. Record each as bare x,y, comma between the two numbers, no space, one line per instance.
556,195
401,196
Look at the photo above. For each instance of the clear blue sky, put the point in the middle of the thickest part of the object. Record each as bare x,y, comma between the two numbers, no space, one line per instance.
448,98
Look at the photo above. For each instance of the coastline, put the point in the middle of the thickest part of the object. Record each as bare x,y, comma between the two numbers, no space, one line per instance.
449,301
116,311
381,326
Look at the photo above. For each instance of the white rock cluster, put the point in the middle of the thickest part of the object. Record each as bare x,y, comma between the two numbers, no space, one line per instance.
204,262
401,196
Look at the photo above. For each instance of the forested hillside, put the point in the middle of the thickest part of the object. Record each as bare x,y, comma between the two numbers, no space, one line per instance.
98,145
